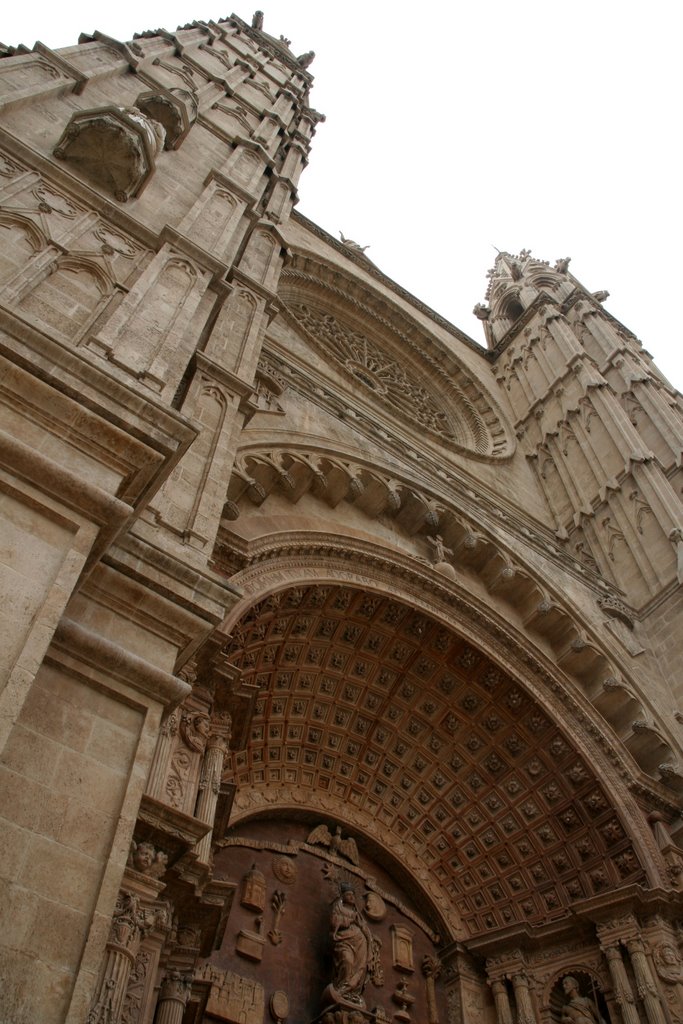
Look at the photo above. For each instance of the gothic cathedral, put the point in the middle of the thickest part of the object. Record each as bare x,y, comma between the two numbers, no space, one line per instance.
342,656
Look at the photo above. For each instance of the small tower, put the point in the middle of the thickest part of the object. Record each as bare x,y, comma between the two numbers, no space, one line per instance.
601,426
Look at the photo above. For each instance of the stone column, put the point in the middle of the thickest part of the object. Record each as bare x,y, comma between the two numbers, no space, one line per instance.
525,1011
210,779
623,993
647,988
173,996
500,997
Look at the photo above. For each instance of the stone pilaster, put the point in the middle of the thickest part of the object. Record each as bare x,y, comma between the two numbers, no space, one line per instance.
431,969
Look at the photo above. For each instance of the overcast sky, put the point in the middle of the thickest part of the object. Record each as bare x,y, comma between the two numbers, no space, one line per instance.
454,128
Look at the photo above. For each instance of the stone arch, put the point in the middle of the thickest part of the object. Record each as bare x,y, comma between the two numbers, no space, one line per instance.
68,297
593,984
370,337
462,548
20,241
589,799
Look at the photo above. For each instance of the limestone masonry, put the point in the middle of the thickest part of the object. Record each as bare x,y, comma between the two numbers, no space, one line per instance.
342,665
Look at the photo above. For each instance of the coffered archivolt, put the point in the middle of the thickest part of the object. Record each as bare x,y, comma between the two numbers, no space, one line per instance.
462,554
372,711
402,369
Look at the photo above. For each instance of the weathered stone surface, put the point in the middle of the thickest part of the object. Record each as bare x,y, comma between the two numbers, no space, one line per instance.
341,659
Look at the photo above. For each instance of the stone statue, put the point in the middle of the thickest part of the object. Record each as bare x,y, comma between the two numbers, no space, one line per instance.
306,59
352,950
578,1009
143,857
257,20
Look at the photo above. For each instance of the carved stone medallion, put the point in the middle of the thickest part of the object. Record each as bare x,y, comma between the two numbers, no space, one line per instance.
285,870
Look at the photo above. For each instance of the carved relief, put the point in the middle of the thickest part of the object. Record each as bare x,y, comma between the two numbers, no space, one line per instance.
177,780
8,168
402,949
377,371
233,998
375,907
113,242
249,943
254,890
335,843
135,993
53,202
279,1006
285,870
194,729
278,903
355,952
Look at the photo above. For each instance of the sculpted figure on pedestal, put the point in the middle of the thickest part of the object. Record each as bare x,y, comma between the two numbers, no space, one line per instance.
354,950
578,1009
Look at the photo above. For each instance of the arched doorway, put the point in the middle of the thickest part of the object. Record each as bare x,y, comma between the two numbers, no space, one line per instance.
475,809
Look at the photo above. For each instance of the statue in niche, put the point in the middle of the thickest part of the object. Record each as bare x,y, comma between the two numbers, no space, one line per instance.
578,1009
147,860
354,950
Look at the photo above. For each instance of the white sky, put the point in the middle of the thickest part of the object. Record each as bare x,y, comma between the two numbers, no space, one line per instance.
454,127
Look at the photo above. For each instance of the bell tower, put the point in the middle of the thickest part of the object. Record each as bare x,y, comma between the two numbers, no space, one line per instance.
597,421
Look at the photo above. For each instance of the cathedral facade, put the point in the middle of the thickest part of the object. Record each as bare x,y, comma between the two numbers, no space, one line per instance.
341,670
